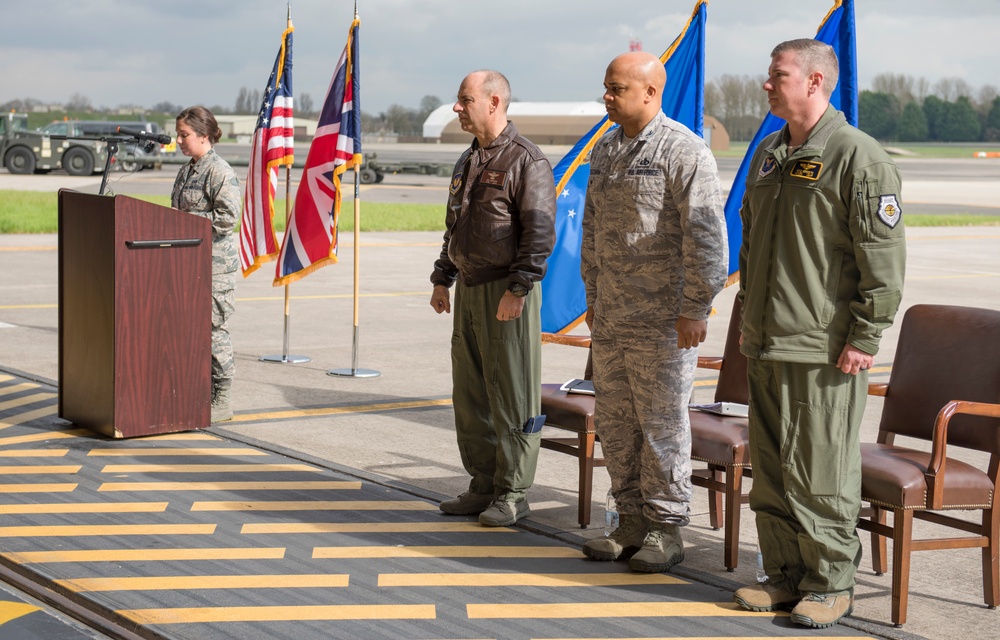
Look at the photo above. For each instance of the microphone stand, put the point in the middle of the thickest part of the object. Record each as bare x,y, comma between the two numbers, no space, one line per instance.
113,142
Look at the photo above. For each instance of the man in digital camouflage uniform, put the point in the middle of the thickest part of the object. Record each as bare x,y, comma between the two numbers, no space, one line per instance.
499,234
821,277
208,187
654,257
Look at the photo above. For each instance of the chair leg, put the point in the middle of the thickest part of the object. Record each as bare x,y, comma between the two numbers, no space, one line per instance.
585,454
991,575
715,512
734,500
880,558
902,536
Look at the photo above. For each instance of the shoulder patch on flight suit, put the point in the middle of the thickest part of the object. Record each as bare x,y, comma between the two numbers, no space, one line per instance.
889,210
495,179
807,169
456,182
767,167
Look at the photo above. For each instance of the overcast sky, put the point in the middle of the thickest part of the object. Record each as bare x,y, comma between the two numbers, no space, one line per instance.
142,52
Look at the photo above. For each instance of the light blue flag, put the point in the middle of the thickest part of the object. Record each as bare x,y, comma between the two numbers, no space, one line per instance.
564,299
837,30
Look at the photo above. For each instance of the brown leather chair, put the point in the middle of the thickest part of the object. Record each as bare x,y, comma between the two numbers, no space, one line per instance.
723,443
574,413
944,389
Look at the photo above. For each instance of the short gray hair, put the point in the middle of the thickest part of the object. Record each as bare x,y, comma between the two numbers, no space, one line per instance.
814,56
494,83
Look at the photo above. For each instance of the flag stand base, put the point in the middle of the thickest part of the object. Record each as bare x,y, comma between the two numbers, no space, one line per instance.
353,373
286,359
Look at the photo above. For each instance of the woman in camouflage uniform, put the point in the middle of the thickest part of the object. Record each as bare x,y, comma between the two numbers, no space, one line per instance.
208,187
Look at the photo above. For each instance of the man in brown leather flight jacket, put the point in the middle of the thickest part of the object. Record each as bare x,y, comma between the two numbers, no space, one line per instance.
499,234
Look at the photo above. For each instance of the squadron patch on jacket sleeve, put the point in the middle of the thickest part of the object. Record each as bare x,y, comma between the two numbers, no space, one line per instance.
767,167
456,182
889,210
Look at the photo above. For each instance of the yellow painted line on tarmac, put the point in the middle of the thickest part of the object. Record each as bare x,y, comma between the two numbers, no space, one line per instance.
317,505
34,453
611,610
45,435
956,276
331,411
222,451
28,416
185,583
14,610
20,402
86,507
5,378
30,248
937,238
727,638
14,388
523,579
446,551
322,485
280,614
145,555
371,527
74,530
206,468
22,470
65,487
8,307
336,296
184,435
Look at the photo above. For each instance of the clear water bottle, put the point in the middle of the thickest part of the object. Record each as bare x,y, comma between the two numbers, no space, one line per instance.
761,574
610,515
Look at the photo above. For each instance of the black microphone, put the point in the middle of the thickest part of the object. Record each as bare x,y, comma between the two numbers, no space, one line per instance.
162,138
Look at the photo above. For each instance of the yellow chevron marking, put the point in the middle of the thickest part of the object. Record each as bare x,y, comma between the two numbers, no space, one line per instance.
14,388
183,435
184,583
523,579
45,435
33,453
610,610
332,411
206,468
20,470
277,614
86,507
309,485
65,487
14,610
372,527
23,400
444,551
318,505
222,451
28,416
73,530
146,555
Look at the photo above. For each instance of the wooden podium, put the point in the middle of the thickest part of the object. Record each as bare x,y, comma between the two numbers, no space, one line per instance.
135,286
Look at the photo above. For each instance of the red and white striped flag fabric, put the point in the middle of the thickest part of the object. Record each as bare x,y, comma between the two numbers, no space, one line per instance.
310,240
272,146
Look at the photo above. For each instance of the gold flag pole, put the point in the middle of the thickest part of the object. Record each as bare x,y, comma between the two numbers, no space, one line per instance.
285,358
354,371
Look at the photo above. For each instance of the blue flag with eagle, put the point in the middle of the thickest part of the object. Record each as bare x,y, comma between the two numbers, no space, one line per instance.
564,298
836,30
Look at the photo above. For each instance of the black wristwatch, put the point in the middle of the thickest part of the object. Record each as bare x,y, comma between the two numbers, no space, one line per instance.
517,289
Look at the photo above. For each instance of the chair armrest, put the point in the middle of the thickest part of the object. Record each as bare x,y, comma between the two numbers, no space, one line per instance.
562,338
878,389
710,362
939,443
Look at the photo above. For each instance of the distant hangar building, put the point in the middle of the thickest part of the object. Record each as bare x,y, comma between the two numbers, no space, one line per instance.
548,123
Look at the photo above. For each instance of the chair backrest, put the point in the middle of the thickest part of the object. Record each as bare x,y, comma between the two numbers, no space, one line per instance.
945,353
732,386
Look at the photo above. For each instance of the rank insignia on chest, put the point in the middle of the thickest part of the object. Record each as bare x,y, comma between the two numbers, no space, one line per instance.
807,169
889,210
767,168
456,182
495,179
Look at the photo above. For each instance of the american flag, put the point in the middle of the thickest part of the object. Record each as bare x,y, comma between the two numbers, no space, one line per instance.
272,146
310,240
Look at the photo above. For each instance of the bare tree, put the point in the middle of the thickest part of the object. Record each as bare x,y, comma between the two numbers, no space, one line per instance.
305,104
78,102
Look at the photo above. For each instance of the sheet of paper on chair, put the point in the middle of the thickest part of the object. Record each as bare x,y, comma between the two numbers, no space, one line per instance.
724,408
576,385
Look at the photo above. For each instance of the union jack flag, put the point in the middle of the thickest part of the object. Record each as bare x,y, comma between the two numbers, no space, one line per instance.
272,146
310,240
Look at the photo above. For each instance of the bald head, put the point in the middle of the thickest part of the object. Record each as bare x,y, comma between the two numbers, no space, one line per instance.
633,90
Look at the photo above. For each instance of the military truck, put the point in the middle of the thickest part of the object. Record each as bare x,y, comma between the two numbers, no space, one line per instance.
24,151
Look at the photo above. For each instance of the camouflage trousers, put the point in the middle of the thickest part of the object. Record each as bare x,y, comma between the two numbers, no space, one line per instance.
223,307
643,384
